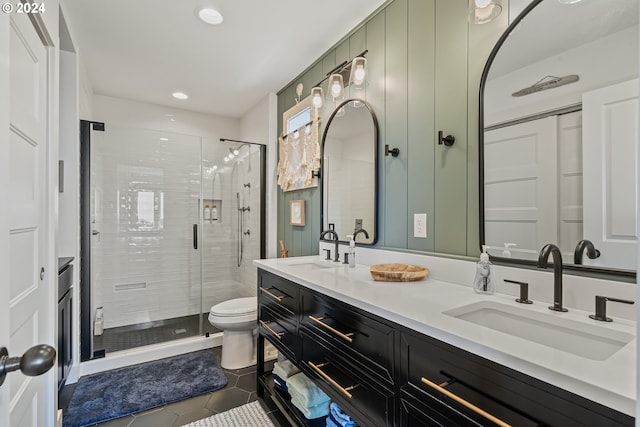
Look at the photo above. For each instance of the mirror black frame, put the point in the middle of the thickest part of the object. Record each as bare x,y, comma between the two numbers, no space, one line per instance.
376,131
581,270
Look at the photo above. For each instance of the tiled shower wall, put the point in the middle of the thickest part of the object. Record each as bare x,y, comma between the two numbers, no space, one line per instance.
146,198
222,278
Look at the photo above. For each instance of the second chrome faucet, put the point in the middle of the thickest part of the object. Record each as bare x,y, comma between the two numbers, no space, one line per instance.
543,259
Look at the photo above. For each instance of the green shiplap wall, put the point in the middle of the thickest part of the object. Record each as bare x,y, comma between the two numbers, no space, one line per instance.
424,67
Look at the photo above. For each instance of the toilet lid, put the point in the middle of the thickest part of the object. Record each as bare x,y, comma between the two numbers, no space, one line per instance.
237,306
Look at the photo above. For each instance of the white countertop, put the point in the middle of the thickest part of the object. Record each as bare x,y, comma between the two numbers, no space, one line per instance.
420,306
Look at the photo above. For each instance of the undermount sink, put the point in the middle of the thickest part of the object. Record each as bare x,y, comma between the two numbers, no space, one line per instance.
583,339
313,264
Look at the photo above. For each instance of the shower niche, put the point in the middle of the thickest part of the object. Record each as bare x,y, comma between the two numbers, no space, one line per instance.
212,211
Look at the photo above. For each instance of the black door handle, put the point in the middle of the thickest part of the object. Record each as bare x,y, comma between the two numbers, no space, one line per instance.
195,236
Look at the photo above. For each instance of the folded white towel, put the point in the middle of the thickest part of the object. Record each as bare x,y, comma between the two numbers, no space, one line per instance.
285,369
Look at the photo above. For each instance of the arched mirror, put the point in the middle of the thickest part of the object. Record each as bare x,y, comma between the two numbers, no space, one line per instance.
349,167
559,136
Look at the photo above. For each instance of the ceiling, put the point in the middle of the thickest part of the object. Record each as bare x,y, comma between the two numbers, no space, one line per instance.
145,50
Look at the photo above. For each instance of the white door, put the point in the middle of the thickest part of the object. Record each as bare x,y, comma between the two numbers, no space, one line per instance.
520,184
610,145
27,295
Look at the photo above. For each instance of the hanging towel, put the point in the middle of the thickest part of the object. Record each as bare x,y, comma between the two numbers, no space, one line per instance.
339,417
306,392
284,369
311,412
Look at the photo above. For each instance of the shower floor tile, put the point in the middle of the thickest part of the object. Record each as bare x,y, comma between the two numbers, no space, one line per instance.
132,336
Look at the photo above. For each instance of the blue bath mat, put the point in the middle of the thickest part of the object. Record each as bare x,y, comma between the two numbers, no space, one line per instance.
114,394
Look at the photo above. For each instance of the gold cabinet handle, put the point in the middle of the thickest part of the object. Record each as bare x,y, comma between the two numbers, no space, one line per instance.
267,327
343,390
271,294
319,321
463,402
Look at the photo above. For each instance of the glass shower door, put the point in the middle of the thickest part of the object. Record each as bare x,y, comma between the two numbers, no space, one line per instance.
146,219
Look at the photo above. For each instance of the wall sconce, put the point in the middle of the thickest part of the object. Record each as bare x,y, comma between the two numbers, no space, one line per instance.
358,72
336,87
483,11
316,96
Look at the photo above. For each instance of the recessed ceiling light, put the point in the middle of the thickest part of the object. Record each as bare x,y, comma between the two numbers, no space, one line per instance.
569,1
164,139
180,95
210,16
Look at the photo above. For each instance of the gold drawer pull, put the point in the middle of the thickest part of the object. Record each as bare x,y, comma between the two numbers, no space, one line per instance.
463,402
271,294
333,382
319,321
267,327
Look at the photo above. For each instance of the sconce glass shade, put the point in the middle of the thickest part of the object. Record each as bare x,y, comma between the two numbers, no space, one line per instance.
483,11
336,86
358,72
316,96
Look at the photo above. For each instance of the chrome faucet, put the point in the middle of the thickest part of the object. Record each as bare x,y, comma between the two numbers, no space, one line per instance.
543,259
336,256
361,230
592,252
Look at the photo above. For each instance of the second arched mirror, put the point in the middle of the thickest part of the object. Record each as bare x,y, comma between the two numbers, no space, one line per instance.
350,171
558,132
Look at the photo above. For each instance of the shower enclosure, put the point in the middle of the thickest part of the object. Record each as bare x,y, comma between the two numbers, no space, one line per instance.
170,224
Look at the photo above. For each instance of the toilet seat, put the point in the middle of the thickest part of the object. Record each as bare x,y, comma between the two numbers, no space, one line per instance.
238,307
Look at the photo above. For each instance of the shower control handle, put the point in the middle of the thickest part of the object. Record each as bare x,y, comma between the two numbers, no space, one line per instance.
195,236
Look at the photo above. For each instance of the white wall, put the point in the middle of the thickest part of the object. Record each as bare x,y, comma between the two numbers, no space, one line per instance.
618,62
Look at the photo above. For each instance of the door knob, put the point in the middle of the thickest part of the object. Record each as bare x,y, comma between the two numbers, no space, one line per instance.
35,361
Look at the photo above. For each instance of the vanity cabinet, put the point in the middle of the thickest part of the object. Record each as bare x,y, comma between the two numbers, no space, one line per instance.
385,374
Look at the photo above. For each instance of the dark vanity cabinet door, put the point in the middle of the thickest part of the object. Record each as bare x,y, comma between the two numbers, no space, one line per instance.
369,402
278,301
490,388
364,340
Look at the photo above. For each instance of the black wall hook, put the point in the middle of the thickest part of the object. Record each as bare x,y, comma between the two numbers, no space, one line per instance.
394,151
447,140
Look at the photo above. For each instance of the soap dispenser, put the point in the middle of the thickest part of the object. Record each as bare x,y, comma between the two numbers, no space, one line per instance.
482,283
352,251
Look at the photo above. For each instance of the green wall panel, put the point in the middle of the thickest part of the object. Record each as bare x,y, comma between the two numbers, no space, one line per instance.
420,119
395,168
451,118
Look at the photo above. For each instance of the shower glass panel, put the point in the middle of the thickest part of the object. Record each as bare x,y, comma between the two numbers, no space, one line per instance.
145,208
232,227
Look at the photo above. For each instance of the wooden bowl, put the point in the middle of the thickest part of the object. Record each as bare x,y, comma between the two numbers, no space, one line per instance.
398,272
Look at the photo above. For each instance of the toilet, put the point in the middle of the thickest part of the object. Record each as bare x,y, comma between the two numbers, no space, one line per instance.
238,320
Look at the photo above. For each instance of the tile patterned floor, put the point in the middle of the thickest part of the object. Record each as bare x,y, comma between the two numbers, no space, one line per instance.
240,389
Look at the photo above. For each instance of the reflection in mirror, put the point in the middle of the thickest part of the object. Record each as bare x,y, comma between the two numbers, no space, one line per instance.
558,165
349,171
